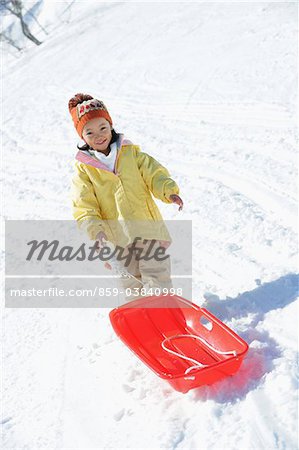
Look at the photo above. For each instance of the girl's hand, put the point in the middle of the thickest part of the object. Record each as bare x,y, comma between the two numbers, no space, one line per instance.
164,244
101,240
177,199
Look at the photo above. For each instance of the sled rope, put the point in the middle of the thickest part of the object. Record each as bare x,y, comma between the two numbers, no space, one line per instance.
119,268
123,272
197,364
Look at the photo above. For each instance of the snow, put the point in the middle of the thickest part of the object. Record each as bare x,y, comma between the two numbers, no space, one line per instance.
209,89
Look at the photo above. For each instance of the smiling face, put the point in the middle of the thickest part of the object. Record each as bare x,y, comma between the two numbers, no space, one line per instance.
97,134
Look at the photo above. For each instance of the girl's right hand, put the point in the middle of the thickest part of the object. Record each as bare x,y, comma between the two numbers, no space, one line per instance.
101,240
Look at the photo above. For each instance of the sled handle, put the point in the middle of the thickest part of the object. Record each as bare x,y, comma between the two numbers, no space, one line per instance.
206,323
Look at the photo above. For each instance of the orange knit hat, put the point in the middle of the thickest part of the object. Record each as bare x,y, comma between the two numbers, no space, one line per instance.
86,110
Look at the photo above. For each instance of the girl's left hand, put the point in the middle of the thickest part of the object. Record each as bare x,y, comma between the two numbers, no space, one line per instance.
164,244
177,199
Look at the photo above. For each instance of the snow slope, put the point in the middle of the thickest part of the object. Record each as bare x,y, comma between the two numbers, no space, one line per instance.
209,89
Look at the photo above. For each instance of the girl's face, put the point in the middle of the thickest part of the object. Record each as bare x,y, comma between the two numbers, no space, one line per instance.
97,133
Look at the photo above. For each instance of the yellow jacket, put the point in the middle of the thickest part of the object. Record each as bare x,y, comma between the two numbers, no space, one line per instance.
120,203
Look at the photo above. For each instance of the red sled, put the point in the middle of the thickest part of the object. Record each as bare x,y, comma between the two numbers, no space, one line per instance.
181,342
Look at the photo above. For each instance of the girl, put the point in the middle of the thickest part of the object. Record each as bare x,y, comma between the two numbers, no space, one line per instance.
114,182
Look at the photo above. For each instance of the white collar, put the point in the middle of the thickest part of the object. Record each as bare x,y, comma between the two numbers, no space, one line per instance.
102,157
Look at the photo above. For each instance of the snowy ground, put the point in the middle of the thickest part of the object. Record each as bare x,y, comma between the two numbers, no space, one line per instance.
209,89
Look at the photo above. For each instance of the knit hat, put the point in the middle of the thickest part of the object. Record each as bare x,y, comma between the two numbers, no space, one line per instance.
87,110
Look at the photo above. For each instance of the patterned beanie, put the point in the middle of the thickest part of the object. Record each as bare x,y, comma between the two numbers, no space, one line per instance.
87,110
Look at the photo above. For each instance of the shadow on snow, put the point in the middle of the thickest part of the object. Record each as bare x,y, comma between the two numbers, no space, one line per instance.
251,306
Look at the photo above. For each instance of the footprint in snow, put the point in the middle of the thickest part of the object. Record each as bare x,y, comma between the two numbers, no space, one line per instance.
233,247
119,415
128,388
